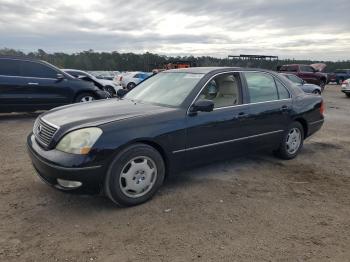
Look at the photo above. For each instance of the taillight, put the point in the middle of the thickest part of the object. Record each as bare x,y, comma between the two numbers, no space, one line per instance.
322,108
121,78
345,82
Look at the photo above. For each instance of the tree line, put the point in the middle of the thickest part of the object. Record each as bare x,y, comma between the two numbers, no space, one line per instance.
115,61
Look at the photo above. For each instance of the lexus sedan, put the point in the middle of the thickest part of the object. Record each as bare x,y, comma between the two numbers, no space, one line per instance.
168,123
307,88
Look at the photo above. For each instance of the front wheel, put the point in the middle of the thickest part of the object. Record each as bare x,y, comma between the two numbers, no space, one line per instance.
84,97
135,175
316,92
292,142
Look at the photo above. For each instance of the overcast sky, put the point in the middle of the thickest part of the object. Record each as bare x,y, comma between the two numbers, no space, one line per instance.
311,29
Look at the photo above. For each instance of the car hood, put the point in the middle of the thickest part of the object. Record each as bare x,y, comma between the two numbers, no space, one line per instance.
319,66
99,112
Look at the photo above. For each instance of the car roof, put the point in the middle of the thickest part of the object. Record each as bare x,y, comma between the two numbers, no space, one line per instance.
206,70
21,58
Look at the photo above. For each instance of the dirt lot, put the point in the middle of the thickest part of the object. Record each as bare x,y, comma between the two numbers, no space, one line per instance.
256,208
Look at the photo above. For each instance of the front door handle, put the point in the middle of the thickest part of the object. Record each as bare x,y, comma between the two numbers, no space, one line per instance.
241,115
33,84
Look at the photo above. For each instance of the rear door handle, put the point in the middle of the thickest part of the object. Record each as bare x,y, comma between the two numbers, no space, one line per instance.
284,108
33,84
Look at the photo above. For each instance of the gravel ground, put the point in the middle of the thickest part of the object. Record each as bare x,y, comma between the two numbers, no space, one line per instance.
256,208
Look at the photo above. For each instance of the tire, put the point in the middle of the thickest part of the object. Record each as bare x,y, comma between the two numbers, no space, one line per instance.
110,90
84,97
131,86
316,92
288,149
135,175
322,85
348,95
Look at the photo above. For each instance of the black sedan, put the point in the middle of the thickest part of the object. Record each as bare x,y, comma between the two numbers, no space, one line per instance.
28,85
174,120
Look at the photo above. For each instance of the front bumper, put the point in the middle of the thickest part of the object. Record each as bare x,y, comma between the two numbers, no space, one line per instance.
90,176
346,90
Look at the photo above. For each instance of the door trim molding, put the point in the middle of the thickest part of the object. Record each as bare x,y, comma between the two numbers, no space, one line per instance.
227,141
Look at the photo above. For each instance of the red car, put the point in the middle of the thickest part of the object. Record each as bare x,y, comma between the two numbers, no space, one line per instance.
309,73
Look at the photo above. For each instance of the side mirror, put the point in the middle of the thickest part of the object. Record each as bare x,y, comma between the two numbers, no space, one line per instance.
202,106
59,76
121,93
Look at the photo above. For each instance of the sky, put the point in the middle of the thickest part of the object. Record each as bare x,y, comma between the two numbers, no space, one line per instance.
300,29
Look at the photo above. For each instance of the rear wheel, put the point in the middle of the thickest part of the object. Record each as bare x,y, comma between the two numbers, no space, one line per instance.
84,97
110,90
292,142
348,95
322,85
316,92
135,175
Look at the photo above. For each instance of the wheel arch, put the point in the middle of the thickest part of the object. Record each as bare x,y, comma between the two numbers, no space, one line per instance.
304,124
80,92
160,150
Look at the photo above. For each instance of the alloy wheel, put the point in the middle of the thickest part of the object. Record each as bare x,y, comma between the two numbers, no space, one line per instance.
87,99
293,141
138,177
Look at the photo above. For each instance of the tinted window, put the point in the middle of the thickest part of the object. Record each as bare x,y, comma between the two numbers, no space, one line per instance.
289,68
261,87
223,90
33,69
9,67
282,90
307,69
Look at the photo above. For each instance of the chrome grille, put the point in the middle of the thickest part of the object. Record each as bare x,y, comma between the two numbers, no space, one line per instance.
44,131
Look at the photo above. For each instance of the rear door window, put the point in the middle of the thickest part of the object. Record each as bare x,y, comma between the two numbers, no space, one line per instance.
261,87
9,67
33,69
283,93
307,69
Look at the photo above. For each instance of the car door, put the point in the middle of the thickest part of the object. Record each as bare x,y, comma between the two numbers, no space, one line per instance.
222,132
12,94
270,106
308,74
42,86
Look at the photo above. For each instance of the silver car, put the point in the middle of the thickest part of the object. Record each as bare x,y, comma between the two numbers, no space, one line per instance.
307,88
345,87
132,79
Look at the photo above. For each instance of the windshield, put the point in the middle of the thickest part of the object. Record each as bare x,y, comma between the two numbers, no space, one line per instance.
169,89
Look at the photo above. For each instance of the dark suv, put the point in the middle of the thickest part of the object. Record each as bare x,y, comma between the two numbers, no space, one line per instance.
306,72
29,85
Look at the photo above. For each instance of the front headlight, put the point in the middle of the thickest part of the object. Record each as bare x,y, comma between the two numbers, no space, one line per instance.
80,141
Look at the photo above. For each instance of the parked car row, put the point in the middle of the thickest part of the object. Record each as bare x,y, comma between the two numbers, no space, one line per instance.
106,84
